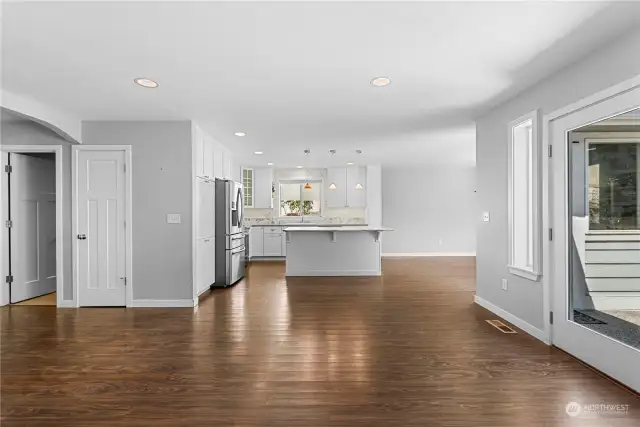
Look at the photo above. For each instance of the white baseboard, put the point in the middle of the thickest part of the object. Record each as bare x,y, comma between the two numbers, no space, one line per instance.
66,304
516,321
162,303
428,254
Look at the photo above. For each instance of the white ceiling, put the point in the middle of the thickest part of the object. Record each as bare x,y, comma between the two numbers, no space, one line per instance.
296,75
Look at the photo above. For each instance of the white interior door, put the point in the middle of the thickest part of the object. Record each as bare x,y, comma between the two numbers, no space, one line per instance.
572,279
100,227
33,232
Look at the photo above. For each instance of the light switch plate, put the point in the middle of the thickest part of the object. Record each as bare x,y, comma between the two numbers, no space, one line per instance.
173,219
486,217
505,285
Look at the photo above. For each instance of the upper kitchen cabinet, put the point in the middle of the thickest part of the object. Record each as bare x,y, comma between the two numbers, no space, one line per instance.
335,188
258,187
262,188
356,181
226,164
208,153
344,187
203,153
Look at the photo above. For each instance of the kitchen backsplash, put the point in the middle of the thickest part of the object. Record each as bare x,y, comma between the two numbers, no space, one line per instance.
331,216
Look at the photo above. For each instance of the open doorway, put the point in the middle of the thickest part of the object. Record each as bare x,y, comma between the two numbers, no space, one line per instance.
31,216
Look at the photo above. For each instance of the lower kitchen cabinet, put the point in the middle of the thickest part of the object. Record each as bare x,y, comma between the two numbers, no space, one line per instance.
256,242
205,263
272,244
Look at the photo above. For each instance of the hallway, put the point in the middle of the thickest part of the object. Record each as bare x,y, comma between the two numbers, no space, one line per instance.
407,349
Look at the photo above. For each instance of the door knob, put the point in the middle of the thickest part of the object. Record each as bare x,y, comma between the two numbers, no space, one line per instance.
82,237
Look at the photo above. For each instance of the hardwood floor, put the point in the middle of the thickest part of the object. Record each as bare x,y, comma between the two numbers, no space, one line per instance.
408,349
48,299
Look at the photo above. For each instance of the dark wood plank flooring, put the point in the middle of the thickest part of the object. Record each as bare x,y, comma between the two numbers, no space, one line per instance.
408,349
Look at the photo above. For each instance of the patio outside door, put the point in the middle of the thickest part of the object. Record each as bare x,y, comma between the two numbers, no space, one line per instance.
595,251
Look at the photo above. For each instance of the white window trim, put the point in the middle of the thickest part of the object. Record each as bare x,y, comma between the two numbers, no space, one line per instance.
252,186
532,272
299,181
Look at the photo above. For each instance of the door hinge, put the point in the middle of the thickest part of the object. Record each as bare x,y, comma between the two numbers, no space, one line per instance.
551,317
125,166
551,151
9,279
551,234
8,168
8,224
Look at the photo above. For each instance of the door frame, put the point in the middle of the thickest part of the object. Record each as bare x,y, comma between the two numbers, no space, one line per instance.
603,110
75,151
57,150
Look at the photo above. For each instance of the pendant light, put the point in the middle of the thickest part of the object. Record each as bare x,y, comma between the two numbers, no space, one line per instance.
358,185
307,186
332,186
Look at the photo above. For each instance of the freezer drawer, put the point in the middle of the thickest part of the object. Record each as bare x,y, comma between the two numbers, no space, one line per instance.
236,264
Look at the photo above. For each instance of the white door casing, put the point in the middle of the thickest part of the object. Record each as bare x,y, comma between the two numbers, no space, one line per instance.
606,354
102,225
33,231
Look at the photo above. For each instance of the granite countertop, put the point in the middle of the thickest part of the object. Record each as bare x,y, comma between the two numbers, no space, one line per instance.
345,227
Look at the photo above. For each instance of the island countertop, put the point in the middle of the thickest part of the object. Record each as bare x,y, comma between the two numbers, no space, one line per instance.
339,229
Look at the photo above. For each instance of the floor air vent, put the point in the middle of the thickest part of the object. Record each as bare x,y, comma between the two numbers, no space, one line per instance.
501,327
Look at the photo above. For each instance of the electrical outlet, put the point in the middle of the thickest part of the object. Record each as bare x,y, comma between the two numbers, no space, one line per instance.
173,219
486,217
505,285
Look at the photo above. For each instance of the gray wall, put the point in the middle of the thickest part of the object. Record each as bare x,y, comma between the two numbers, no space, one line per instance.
426,204
601,69
162,171
25,132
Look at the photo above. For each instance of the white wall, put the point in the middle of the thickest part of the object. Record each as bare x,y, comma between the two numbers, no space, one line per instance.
26,132
603,68
161,179
431,210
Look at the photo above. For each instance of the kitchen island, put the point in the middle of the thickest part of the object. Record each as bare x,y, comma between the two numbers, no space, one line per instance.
333,251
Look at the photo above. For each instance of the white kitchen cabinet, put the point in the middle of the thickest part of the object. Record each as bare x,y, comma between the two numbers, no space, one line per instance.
205,207
218,170
256,241
226,164
284,244
262,188
335,188
198,151
205,263
356,182
208,156
272,244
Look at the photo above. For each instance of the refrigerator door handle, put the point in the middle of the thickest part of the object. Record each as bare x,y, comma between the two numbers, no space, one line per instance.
237,250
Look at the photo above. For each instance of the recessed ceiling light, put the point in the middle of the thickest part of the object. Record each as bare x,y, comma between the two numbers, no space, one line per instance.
257,152
240,134
381,81
269,164
145,82
349,163
299,167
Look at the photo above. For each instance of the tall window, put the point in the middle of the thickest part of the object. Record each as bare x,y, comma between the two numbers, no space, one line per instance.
524,197
614,184
300,198
247,186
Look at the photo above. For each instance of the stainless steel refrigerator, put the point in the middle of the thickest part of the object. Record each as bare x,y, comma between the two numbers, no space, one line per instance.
230,249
